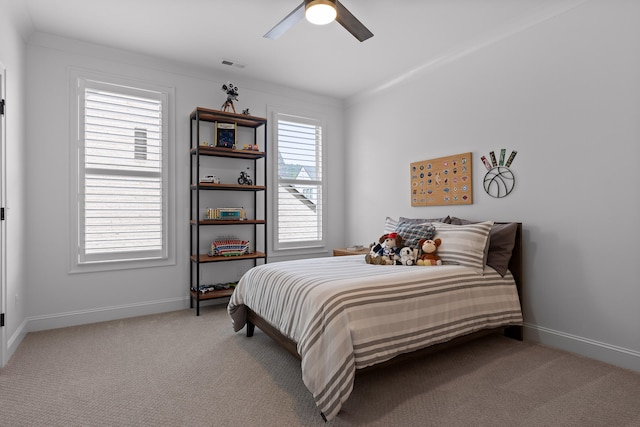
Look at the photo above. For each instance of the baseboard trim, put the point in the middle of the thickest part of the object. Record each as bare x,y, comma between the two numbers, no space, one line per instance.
15,340
614,355
103,314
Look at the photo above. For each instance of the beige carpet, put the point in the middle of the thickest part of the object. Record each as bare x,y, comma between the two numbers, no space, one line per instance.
176,369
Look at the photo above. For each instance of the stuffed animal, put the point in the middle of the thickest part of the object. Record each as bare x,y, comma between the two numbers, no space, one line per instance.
408,256
372,257
387,252
429,248
374,248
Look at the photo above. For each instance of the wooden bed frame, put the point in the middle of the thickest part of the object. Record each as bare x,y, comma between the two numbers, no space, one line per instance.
515,332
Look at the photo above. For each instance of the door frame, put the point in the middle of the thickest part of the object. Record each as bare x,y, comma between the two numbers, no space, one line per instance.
3,234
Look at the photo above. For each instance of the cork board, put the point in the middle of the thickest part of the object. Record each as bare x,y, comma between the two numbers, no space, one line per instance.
442,181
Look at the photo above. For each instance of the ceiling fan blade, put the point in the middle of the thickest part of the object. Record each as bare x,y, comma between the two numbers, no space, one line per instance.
289,21
351,23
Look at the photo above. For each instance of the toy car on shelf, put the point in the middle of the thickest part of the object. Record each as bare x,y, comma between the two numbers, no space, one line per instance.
211,179
217,287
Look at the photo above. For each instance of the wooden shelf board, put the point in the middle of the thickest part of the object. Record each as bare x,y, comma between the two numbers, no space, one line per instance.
206,258
204,150
227,221
210,115
234,187
212,294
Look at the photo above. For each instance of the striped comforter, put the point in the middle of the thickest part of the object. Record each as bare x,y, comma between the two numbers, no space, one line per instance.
346,314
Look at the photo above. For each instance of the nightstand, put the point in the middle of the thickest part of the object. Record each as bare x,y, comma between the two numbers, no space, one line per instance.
345,251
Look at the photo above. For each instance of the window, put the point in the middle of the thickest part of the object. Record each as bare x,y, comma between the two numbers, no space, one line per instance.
299,200
121,182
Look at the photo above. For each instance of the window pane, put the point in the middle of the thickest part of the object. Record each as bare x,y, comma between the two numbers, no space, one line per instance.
122,208
114,127
299,212
300,185
299,155
122,214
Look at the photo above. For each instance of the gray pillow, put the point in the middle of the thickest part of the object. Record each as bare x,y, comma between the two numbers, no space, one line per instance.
502,239
444,220
459,221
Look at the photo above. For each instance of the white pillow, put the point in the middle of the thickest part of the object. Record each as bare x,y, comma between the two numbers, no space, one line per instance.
463,244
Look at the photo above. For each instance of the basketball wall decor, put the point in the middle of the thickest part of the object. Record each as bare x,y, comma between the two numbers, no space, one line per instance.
499,180
442,181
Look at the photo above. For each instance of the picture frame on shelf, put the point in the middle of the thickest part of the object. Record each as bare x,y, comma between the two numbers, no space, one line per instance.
225,134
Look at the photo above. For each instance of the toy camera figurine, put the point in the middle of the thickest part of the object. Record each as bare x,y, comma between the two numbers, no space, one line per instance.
232,95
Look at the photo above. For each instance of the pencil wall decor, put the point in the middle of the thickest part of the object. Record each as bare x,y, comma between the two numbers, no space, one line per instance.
442,181
499,180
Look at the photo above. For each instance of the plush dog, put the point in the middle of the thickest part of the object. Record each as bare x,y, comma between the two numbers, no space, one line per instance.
408,256
429,248
388,251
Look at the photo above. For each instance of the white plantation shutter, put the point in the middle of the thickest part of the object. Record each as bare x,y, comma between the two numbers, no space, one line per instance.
122,194
300,182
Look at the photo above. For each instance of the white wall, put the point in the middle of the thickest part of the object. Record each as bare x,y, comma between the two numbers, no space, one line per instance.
564,93
12,57
57,298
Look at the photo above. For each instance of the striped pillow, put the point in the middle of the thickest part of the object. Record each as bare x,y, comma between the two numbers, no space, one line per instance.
390,225
463,244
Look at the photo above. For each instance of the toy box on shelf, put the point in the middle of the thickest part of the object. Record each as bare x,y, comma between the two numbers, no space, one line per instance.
237,214
229,246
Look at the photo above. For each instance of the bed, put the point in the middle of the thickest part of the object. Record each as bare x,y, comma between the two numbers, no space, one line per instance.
339,315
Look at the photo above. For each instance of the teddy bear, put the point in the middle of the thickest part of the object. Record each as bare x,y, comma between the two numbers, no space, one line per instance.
386,251
408,256
429,248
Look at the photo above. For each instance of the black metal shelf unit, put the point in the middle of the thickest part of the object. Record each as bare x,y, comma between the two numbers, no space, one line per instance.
200,152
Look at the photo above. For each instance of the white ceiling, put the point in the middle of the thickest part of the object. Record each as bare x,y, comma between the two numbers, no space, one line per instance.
408,35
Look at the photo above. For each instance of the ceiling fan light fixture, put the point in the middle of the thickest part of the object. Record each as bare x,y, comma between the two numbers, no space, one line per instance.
320,12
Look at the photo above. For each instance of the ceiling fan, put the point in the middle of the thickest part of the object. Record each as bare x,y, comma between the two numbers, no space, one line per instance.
321,12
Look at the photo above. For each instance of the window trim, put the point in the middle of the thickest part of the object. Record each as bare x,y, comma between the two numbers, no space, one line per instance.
76,166
307,117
